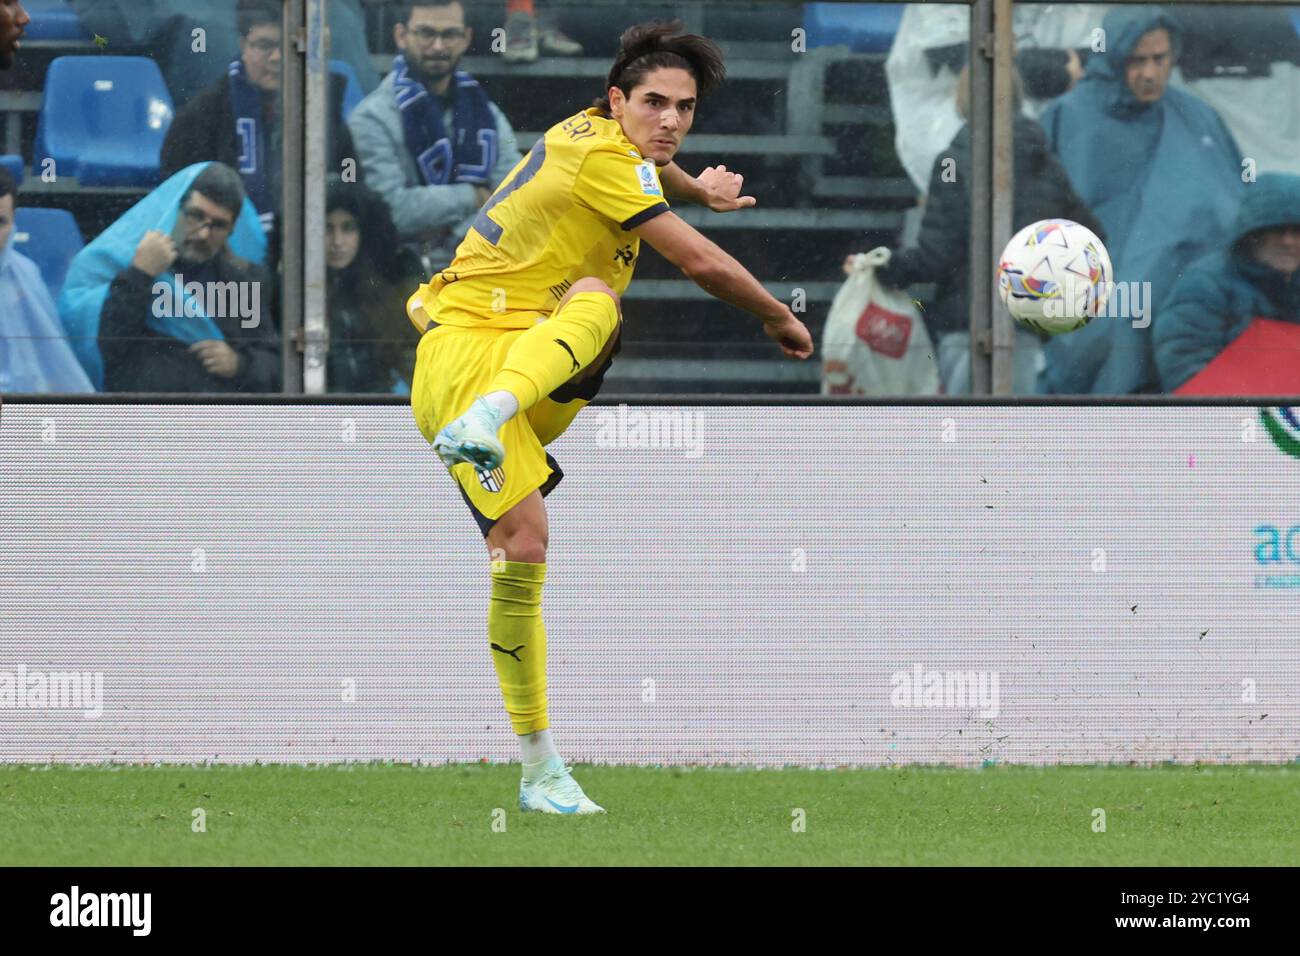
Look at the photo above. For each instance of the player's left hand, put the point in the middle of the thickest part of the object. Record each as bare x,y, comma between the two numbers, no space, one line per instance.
722,190
217,357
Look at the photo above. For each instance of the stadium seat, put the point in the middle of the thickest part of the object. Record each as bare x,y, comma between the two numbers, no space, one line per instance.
352,94
53,20
50,238
103,120
15,166
863,27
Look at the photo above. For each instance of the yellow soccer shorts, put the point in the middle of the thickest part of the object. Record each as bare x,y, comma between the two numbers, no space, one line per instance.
453,366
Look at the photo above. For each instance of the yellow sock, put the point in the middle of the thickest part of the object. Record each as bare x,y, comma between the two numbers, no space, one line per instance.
552,352
550,419
518,641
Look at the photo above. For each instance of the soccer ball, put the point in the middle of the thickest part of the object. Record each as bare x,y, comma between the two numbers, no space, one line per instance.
1054,276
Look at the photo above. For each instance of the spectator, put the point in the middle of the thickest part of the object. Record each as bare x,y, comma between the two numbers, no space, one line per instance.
524,35
1256,276
1163,174
34,351
371,275
13,20
434,149
237,120
942,253
167,295
925,59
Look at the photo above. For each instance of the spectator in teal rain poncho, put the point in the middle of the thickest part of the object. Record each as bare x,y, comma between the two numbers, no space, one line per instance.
150,318
1257,275
34,352
1163,175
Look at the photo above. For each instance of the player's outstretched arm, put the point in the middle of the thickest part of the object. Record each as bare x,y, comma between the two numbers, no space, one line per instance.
720,275
716,187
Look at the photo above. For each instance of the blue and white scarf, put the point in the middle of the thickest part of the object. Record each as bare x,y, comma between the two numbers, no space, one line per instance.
471,158
250,127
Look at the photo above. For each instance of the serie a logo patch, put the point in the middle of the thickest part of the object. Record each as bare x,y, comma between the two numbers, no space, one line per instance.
493,480
649,181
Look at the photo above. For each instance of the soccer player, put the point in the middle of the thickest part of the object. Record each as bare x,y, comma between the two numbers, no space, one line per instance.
524,323
13,20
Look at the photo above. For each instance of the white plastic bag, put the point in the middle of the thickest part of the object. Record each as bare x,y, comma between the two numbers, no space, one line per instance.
875,342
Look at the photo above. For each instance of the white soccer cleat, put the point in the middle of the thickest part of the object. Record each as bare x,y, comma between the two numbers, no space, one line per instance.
472,438
555,791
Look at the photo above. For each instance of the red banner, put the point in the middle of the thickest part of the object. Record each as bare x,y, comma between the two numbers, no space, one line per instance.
1263,360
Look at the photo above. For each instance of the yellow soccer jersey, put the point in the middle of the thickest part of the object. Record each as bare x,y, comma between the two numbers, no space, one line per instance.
563,213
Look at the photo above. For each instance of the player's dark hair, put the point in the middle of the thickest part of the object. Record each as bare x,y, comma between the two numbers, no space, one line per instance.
8,187
405,8
652,46
219,184
256,13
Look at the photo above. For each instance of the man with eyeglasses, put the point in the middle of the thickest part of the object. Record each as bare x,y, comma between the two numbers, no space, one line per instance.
178,317
237,121
432,143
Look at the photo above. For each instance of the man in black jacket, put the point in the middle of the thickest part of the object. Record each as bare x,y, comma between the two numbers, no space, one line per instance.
237,120
188,277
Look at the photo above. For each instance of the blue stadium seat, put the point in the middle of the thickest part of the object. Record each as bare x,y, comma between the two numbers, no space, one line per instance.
50,238
15,166
352,94
53,20
104,119
864,27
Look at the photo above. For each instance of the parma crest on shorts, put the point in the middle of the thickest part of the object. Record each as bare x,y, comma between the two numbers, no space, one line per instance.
493,480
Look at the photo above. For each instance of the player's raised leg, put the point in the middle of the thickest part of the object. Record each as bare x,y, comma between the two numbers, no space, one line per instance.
555,412
517,638
541,360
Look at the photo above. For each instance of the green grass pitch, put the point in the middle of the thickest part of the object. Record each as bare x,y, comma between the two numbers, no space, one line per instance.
384,814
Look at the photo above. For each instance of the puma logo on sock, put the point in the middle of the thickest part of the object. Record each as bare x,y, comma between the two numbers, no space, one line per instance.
565,345
514,653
